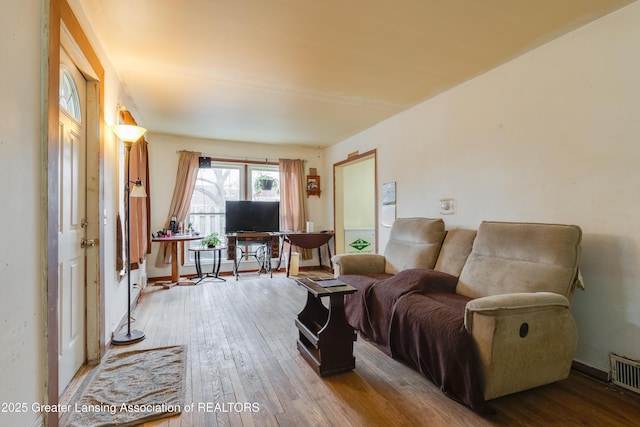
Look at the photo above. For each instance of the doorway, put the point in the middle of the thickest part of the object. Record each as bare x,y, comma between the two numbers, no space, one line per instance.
72,222
66,34
355,202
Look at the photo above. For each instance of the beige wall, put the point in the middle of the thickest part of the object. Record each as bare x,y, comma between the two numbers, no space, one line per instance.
21,250
163,160
22,169
552,136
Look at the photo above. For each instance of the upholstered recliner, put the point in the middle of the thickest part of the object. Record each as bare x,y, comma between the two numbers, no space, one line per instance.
521,278
511,291
413,243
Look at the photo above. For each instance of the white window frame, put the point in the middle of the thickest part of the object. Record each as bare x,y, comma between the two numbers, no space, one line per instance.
246,192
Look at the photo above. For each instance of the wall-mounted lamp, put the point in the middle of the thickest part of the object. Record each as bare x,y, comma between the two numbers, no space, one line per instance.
129,134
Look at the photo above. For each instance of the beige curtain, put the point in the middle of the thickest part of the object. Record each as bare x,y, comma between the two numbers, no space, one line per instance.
293,203
182,192
139,208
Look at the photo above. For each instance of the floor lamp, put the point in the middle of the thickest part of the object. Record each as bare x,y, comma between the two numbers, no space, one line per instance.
129,134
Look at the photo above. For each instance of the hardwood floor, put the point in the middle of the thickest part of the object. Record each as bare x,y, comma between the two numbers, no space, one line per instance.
242,355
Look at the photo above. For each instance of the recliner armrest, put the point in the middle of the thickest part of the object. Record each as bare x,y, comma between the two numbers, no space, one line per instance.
514,303
358,264
521,340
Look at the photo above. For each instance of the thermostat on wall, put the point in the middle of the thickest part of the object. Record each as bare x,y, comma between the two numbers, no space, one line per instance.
447,206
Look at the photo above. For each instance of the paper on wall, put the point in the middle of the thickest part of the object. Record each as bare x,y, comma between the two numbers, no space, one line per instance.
388,215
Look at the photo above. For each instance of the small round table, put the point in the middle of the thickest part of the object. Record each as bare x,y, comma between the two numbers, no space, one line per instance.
217,256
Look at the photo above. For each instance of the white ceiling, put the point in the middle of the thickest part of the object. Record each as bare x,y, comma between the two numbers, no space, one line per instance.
311,71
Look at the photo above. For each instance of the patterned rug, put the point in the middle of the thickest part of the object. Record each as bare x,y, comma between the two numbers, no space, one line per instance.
133,387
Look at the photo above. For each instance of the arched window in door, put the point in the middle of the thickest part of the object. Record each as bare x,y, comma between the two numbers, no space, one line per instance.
69,99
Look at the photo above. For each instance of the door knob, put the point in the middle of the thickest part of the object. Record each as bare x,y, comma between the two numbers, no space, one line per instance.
84,243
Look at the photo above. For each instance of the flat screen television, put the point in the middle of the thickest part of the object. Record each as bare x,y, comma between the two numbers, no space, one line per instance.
245,215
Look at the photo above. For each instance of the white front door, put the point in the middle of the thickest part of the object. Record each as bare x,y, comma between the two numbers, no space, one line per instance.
72,221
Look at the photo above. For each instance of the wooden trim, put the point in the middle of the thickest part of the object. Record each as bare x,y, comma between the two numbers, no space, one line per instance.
51,201
590,371
354,158
72,24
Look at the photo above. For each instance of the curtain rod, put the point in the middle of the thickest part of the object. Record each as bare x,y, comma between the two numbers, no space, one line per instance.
240,158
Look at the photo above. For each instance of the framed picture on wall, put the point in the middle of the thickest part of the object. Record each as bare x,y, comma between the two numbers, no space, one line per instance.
388,203
313,185
389,193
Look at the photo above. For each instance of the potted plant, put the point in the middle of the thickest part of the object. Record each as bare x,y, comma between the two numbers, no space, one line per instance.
211,240
265,183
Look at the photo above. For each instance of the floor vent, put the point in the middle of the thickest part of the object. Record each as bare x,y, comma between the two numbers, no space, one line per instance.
625,372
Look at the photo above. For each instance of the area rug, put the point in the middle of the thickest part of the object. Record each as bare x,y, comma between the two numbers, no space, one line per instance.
131,388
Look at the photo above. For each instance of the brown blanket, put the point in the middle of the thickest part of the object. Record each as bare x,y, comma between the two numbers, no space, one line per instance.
428,332
370,310
355,304
416,316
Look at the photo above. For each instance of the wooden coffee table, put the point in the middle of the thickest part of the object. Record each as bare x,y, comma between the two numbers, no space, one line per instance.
326,338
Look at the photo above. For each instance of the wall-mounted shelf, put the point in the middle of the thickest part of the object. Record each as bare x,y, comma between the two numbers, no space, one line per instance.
313,185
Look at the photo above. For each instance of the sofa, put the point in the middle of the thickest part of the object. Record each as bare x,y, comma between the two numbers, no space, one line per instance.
482,314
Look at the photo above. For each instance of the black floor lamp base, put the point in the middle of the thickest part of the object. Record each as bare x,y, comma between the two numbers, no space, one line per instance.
127,338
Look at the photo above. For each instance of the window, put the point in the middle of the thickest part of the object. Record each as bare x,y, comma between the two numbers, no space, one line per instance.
265,183
69,99
222,182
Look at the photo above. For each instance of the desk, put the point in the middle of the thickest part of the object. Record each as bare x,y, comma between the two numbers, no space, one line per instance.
175,266
263,254
236,239
215,270
306,241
